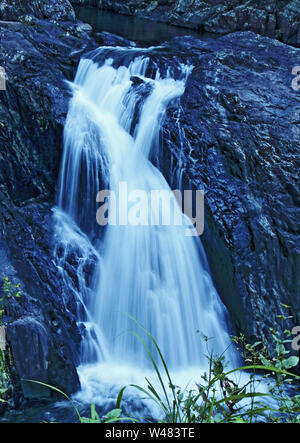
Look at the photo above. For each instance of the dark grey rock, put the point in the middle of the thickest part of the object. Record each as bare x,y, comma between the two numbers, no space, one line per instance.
37,60
108,39
30,344
43,336
240,139
41,325
44,9
13,26
84,27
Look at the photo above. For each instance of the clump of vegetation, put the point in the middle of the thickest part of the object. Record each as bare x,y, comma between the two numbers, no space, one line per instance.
5,380
9,290
218,397
279,35
281,385
26,20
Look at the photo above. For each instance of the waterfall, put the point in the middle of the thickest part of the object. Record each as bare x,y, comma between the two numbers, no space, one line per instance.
154,273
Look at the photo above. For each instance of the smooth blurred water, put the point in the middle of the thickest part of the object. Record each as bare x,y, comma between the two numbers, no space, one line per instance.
143,31
155,274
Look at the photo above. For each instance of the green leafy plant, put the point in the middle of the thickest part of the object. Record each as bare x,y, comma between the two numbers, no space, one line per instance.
281,385
218,397
4,378
9,290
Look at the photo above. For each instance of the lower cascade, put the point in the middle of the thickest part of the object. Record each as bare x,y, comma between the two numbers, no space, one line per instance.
151,272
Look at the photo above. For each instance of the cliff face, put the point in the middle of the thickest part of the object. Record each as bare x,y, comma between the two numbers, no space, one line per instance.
239,141
38,56
277,19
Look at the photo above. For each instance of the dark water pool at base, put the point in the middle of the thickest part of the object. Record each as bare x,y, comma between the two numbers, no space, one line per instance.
63,411
47,411
143,31
43,412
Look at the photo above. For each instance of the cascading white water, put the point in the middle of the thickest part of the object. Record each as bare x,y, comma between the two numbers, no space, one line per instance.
154,273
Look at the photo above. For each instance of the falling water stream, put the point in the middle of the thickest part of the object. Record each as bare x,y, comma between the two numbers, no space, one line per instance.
156,273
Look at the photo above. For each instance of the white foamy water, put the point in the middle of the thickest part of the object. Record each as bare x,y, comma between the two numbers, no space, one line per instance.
155,274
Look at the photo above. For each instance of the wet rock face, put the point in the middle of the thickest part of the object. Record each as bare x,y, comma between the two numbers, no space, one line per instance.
38,57
37,60
239,142
41,325
280,19
108,39
44,9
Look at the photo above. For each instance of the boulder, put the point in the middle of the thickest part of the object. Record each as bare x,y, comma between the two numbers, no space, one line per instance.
44,9
108,39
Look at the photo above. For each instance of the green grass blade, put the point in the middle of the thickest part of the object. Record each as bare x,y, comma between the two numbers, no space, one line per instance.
149,395
155,367
164,365
120,397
